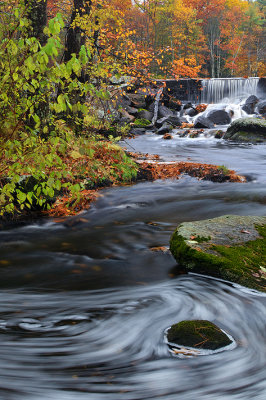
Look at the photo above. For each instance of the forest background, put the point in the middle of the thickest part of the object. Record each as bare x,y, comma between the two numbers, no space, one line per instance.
57,62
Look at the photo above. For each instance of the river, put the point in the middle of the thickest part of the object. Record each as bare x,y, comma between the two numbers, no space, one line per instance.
84,302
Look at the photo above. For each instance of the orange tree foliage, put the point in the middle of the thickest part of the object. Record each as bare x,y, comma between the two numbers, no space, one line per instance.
173,37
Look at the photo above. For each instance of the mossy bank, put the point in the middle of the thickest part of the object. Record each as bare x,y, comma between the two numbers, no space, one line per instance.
229,247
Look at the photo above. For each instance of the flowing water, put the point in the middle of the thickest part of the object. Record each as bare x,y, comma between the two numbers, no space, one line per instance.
217,89
85,302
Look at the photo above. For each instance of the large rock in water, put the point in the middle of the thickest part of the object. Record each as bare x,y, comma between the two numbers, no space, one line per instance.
251,130
262,107
199,334
172,120
203,122
250,104
219,117
230,247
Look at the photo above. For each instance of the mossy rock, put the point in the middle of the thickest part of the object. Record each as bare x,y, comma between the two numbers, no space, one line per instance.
141,122
199,334
252,130
230,247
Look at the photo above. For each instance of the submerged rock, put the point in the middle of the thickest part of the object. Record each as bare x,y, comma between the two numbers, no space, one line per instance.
230,247
167,136
199,334
252,130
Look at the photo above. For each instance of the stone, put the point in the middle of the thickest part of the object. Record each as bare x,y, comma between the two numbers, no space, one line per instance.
191,112
151,107
172,120
164,112
262,107
131,110
174,104
137,131
144,114
126,117
138,100
250,104
167,136
187,105
252,130
203,122
166,128
199,334
230,247
219,117
218,134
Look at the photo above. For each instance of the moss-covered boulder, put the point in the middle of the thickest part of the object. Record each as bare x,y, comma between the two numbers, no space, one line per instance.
199,334
230,247
251,130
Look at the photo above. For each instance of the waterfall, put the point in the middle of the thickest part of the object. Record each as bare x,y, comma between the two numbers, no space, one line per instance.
216,89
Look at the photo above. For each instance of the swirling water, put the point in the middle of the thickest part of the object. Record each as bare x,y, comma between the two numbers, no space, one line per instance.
84,303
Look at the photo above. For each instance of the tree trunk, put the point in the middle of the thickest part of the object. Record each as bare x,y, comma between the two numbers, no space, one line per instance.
37,14
74,37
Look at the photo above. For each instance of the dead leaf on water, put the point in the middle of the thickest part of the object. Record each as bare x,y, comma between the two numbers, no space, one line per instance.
245,231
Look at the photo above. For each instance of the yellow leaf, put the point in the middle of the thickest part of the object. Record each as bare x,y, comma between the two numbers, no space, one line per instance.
75,154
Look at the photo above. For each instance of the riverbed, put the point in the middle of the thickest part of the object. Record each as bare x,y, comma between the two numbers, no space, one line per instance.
85,301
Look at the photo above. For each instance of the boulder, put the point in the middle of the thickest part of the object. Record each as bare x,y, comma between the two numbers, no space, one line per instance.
131,110
137,131
191,112
252,130
138,100
164,112
144,114
172,120
187,105
126,117
198,334
203,122
175,104
171,101
151,107
230,247
262,107
167,136
250,104
219,117
166,128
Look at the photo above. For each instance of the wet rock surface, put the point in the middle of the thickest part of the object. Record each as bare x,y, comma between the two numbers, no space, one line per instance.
203,122
250,104
199,334
219,117
230,247
251,130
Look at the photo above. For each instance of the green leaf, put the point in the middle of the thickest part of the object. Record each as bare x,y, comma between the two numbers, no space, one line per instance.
21,196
